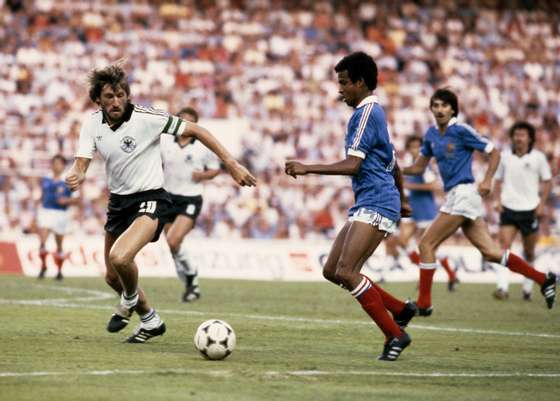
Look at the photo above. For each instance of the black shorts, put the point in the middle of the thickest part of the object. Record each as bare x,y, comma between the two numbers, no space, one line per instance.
124,209
525,221
189,206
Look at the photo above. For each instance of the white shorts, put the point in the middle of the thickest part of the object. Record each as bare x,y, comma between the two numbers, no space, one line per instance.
421,224
375,219
53,219
463,200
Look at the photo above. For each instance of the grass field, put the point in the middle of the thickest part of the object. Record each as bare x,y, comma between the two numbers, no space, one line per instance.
296,341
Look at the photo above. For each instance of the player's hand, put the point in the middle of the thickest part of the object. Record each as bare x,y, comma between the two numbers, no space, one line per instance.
499,207
197,176
484,188
74,179
240,174
406,209
539,211
294,168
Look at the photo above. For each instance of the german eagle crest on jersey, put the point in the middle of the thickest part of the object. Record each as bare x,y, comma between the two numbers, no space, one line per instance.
128,144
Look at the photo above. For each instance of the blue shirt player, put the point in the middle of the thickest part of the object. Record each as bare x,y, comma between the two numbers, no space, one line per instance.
377,185
53,215
452,145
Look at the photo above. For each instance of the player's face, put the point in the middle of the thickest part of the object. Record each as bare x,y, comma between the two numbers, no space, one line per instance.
57,166
442,112
113,102
521,140
349,91
414,149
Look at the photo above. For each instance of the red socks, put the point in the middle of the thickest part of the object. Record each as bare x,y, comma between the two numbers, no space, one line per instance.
43,256
372,302
59,260
518,265
414,257
427,271
450,273
392,304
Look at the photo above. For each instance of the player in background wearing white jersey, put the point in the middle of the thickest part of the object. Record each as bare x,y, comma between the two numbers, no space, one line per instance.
521,172
186,164
128,139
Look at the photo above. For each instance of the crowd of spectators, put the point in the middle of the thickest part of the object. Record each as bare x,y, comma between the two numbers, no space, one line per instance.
269,62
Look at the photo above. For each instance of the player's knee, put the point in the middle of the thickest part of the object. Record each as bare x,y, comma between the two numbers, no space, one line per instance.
343,275
118,259
329,275
426,247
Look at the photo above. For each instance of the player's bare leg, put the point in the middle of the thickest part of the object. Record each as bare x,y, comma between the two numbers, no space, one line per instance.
478,234
121,258
59,255
506,236
175,233
360,242
121,317
442,228
43,236
329,269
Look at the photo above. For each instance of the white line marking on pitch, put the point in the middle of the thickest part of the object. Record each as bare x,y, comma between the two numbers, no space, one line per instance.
102,295
279,374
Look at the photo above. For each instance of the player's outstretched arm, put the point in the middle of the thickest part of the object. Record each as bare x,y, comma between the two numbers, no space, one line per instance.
349,166
418,167
77,173
485,186
238,172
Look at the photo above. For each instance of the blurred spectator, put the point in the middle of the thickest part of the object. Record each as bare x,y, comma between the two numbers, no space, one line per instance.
269,62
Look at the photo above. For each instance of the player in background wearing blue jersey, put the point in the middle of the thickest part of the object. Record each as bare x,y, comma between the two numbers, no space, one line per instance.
53,214
452,145
377,185
421,198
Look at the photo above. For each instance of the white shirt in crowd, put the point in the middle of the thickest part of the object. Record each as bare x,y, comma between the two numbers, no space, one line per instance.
132,151
179,163
521,178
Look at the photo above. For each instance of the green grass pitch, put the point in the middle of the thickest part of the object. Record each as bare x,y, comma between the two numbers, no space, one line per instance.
295,341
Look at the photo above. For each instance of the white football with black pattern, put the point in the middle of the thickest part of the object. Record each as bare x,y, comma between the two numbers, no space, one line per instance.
215,339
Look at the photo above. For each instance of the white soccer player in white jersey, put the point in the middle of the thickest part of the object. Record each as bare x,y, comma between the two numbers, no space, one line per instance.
186,164
127,137
523,173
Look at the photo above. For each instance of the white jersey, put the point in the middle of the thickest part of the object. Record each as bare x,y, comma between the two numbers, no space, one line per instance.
521,177
179,163
131,150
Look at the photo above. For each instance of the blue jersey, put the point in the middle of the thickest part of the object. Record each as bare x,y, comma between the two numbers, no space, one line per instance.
367,138
453,152
52,190
422,202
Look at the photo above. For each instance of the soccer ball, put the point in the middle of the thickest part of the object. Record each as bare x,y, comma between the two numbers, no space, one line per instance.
215,339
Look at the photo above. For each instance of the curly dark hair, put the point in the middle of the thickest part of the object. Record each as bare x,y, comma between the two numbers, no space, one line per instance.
359,65
446,95
530,130
112,75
